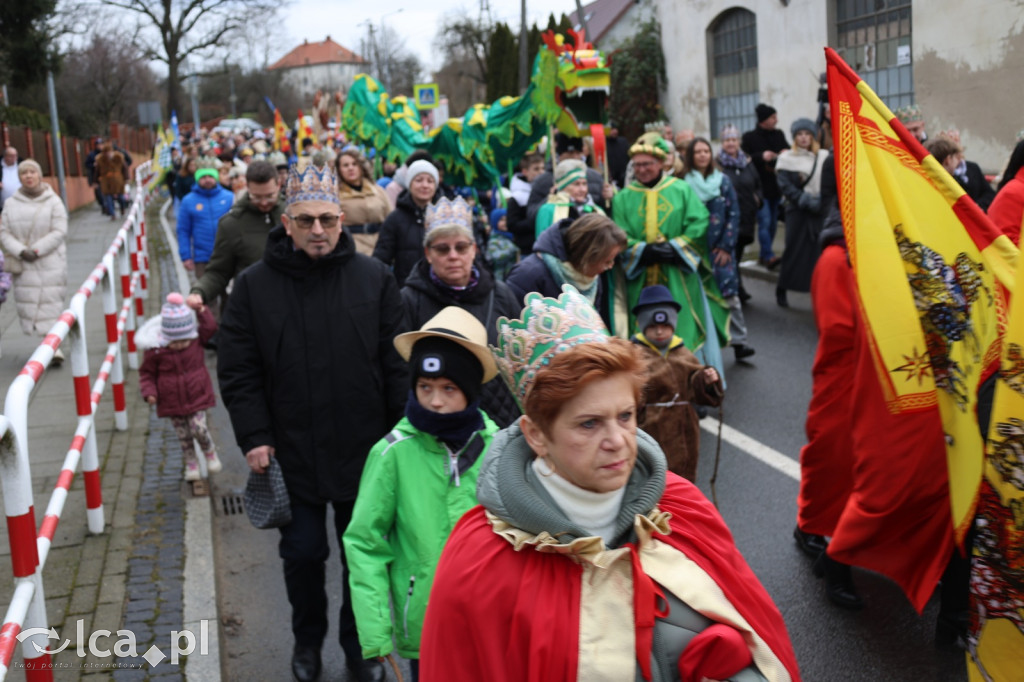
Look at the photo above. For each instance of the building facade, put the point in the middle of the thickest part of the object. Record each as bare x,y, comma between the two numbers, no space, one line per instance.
959,60
324,65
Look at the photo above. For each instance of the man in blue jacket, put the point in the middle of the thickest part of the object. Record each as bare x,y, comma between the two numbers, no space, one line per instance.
197,219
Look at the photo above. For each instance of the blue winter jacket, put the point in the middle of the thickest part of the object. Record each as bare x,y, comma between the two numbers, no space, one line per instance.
198,215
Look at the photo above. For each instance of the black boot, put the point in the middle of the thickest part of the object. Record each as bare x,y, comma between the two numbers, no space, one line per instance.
839,587
810,544
742,350
306,663
780,297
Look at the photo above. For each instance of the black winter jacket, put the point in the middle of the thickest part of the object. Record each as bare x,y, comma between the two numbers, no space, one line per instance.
423,299
400,243
307,364
755,143
532,273
747,183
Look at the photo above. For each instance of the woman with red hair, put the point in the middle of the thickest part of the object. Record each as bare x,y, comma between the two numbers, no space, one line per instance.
587,559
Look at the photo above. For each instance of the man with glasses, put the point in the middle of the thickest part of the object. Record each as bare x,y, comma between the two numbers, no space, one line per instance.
667,225
241,234
310,377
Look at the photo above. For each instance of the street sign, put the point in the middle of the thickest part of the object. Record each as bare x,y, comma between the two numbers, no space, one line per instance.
149,113
426,95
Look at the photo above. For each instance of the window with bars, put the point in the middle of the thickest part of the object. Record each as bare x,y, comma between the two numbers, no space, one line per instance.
873,36
732,62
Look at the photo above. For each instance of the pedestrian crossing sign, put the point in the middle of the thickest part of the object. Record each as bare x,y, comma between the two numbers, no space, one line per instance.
426,95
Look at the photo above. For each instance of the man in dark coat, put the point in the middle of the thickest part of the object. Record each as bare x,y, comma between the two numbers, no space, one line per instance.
762,145
241,233
310,376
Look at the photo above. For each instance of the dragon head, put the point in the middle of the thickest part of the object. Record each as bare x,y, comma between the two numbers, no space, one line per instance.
582,83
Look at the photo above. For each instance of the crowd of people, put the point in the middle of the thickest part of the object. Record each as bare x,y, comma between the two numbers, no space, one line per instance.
537,355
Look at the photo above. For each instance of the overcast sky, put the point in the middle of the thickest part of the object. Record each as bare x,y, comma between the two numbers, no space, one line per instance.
415,21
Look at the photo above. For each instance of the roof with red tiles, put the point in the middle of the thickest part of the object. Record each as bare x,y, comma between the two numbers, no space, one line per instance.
325,52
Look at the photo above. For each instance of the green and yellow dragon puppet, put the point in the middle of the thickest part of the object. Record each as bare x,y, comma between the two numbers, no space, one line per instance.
568,90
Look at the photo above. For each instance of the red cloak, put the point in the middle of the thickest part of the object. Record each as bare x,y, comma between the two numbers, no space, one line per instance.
505,616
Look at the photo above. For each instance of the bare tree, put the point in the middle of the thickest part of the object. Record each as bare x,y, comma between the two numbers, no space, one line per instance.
392,64
102,82
189,28
463,40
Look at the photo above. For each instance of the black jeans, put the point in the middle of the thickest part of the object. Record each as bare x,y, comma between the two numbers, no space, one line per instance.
304,549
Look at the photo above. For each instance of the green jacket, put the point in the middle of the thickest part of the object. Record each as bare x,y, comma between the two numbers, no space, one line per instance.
241,240
408,503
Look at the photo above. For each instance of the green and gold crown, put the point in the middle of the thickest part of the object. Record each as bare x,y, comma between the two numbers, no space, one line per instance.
547,327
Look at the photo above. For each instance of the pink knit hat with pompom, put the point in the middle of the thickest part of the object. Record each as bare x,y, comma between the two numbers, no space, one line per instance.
177,321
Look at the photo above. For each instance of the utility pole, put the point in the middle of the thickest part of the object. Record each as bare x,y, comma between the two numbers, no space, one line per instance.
524,76
231,98
583,20
58,148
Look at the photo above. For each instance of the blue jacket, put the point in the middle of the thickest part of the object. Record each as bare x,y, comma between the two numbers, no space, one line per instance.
198,215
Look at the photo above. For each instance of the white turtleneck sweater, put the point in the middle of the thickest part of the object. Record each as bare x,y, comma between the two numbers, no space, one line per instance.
595,513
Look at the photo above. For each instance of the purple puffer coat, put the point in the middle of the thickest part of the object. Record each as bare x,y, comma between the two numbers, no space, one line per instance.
179,379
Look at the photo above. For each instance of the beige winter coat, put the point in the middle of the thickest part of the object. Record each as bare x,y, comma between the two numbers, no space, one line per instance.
40,225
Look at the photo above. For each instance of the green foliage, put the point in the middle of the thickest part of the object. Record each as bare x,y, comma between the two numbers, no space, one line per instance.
20,116
25,49
502,63
637,79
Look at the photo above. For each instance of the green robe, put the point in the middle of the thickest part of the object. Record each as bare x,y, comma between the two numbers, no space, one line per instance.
671,211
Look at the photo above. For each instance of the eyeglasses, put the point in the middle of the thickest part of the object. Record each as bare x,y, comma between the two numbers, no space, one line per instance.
327,220
645,164
443,249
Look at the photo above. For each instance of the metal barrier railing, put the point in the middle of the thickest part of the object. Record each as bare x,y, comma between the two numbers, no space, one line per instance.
29,547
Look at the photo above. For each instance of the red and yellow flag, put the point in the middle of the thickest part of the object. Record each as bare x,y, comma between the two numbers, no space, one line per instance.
932,276
305,132
996,633
281,143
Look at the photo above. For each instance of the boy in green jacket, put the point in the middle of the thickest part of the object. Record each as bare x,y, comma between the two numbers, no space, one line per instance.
418,482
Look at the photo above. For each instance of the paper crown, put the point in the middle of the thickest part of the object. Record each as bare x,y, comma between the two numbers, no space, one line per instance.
449,213
312,184
909,114
546,327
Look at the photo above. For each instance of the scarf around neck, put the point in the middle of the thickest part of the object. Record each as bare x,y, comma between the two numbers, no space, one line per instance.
706,188
456,293
33,193
739,161
565,273
453,429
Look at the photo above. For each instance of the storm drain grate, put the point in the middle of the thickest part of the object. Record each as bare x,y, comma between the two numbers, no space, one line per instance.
231,505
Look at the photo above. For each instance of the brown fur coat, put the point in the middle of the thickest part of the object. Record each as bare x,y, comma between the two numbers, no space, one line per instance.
676,382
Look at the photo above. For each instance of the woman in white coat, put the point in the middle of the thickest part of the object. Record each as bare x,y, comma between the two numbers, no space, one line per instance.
33,229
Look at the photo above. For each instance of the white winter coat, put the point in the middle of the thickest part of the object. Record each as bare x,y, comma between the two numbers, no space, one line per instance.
41,225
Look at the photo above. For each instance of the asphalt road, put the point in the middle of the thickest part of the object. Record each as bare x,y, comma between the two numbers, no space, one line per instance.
766,400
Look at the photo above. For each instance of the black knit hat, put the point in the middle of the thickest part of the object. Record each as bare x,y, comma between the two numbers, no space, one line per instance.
434,357
564,143
764,112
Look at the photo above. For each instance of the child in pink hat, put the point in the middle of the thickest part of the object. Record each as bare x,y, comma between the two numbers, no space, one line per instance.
174,377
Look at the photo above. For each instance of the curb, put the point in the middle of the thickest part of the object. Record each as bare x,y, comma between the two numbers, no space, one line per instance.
199,592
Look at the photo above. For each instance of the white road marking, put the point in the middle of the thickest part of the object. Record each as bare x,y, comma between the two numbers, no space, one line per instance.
755,449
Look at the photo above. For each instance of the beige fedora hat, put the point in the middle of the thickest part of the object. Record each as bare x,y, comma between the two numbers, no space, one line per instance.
458,325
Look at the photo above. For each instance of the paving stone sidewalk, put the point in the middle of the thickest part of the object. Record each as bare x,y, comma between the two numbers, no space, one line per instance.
131,576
